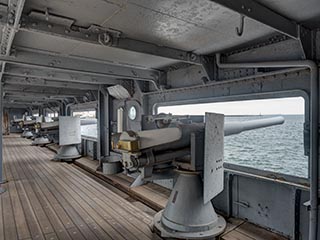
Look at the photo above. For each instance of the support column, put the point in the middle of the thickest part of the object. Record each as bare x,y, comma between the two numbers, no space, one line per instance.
104,112
2,181
62,109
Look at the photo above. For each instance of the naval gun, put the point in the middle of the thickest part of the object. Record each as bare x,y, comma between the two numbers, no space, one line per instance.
45,132
27,127
196,151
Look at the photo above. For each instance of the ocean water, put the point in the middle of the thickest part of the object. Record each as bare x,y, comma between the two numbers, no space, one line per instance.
277,148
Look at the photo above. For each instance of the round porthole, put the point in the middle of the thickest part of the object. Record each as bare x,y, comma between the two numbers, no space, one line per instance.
132,114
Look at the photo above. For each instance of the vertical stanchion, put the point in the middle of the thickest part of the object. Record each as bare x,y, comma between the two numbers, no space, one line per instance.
104,111
2,181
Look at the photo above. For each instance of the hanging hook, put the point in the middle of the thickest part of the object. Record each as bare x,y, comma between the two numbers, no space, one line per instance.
240,29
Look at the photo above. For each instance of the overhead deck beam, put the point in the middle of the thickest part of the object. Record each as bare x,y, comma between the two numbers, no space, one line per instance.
10,25
36,23
27,99
33,72
8,88
54,62
272,19
20,104
30,81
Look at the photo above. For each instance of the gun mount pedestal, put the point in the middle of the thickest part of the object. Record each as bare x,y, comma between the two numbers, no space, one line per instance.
185,215
27,134
40,141
67,152
69,138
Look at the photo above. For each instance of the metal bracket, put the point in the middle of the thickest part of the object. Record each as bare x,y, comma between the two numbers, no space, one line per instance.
209,67
305,40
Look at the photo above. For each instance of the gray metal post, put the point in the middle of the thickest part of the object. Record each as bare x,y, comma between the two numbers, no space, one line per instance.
104,110
2,190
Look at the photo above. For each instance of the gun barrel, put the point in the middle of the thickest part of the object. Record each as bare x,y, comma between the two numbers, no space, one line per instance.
231,128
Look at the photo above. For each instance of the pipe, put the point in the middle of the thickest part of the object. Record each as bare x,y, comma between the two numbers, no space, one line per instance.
120,120
314,121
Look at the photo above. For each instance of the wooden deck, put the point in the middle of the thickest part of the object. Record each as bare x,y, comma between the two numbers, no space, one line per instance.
53,200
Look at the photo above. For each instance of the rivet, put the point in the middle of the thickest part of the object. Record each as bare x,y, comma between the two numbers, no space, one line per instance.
49,26
193,57
66,31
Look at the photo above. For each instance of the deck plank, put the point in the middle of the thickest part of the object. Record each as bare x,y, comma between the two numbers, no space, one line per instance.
32,221
39,212
10,231
114,211
21,223
57,201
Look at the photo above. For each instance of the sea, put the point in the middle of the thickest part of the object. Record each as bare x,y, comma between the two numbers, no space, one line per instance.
278,148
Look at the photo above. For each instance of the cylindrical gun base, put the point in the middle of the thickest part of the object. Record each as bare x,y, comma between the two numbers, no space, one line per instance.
186,216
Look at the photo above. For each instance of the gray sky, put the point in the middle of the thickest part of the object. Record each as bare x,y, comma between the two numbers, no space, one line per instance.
251,107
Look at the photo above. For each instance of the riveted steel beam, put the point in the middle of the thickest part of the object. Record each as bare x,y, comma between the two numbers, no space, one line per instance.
272,19
52,62
17,104
11,25
36,22
26,97
28,81
62,76
9,88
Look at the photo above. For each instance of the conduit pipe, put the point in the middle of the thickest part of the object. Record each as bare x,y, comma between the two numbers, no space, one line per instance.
314,122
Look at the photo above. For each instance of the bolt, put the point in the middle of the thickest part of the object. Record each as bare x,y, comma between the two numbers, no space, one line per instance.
49,26
67,31
193,57
243,7
87,35
249,9
134,73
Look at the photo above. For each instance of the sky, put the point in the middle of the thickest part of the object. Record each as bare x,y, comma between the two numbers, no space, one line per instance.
279,106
